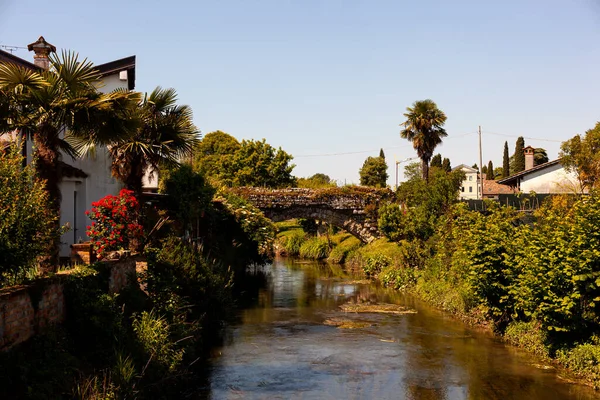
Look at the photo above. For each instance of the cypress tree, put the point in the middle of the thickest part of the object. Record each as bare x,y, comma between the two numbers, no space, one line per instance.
490,170
436,161
505,162
519,156
381,154
446,165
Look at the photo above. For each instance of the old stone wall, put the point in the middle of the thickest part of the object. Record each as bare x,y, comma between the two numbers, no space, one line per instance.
29,309
344,207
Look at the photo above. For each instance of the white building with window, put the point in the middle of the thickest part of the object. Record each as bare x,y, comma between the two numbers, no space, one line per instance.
470,188
88,178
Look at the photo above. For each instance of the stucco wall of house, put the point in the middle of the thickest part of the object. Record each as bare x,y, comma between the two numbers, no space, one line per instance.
112,82
553,179
98,184
470,186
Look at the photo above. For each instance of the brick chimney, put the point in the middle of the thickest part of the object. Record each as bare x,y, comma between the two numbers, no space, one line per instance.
42,50
528,157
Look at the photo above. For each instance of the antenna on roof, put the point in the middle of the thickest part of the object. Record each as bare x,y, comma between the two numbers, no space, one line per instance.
11,49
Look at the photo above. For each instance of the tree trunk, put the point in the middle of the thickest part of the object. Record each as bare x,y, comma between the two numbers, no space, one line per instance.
47,165
425,169
134,182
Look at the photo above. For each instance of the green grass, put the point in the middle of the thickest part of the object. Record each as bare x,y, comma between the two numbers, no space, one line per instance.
315,248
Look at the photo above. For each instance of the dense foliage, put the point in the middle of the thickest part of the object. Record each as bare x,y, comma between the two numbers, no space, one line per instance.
188,197
518,157
26,224
374,172
114,222
419,205
163,134
213,155
505,161
581,154
316,181
224,160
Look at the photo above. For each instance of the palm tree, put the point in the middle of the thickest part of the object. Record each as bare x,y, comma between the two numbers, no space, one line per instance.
164,136
424,127
51,106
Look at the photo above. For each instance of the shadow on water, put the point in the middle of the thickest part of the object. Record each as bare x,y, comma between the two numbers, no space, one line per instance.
290,342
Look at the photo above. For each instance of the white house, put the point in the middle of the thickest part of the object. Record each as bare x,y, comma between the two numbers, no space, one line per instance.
86,179
470,188
548,178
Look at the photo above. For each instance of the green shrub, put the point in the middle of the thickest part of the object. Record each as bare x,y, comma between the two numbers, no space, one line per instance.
189,196
316,248
253,223
27,227
344,245
374,264
153,335
293,242
528,335
584,360
398,278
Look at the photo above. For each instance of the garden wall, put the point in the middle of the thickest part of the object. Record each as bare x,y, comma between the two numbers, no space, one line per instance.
29,309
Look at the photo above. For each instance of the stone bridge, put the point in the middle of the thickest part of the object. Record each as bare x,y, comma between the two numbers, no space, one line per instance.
351,208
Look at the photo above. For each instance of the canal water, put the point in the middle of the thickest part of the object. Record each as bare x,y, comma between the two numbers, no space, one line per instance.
295,341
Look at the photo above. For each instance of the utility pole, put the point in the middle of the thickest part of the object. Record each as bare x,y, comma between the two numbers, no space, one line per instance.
396,162
480,166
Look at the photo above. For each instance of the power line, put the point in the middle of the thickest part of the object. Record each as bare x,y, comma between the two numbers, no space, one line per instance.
524,137
374,150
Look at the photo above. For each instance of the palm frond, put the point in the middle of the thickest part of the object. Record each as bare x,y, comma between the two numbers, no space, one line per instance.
76,75
16,80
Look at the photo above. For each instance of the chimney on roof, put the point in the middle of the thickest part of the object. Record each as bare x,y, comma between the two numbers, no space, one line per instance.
42,50
528,157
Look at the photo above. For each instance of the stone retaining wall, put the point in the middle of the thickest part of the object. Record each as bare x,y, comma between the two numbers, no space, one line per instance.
29,309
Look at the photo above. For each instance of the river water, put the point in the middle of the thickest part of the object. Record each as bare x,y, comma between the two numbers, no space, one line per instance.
286,345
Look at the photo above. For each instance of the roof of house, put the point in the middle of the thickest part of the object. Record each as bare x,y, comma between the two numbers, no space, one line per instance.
513,178
70,171
492,187
116,66
7,57
465,167
122,64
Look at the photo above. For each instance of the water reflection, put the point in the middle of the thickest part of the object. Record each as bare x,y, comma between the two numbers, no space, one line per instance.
282,349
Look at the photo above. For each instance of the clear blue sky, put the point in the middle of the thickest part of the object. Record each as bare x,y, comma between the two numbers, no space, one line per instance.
332,76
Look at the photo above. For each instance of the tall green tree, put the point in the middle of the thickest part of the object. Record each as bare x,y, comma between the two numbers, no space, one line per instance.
498,171
518,157
257,163
315,181
381,154
164,136
424,128
490,170
540,156
213,155
374,172
446,165
56,105
505,162
436,161
581,154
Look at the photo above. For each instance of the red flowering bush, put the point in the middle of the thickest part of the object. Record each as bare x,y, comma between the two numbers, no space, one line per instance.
114,222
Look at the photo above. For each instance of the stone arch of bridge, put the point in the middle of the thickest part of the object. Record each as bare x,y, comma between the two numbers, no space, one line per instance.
355,224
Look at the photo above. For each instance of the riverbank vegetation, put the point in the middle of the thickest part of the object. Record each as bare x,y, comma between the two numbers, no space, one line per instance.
149,340
532,278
